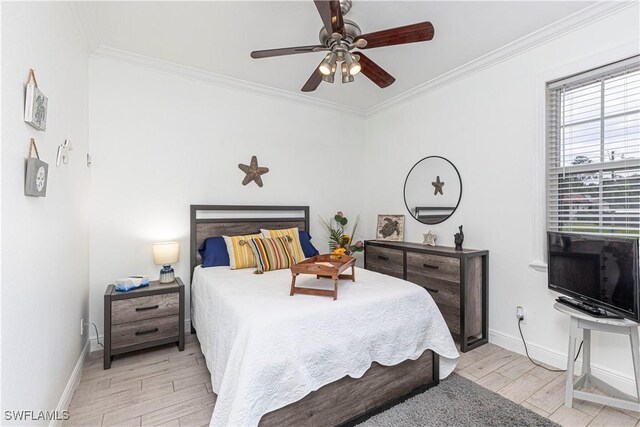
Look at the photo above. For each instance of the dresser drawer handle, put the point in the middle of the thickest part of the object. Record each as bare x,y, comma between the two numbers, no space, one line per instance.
386,258
432,267
148,331
151,307
435,291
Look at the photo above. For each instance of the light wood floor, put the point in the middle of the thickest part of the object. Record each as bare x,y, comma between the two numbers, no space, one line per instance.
170,388
513,376
154,387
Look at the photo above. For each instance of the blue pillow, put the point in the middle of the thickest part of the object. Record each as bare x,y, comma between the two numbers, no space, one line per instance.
214,252
307,247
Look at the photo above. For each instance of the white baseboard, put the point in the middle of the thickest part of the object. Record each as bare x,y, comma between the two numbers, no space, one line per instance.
558,360
94,346
72,384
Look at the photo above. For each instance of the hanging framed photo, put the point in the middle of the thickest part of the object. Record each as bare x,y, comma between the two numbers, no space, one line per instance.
35,104
36,175
390,227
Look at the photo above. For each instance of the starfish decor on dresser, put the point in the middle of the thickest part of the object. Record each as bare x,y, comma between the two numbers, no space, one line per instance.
429,238
253,172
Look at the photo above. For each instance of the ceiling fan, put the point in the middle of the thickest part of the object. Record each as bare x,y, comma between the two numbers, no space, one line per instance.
340,36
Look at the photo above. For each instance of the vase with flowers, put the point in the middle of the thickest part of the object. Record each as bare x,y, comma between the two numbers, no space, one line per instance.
340,242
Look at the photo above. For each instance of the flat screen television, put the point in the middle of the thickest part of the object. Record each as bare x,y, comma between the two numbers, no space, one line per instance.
599,270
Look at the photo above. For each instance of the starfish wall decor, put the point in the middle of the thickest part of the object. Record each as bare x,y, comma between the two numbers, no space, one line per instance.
253,172
437,185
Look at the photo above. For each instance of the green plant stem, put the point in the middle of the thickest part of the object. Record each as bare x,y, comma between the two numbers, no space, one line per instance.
355,227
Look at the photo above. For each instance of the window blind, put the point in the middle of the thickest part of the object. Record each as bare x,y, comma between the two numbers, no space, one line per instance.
593,151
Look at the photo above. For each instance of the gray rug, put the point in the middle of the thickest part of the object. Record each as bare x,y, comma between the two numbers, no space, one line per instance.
457,401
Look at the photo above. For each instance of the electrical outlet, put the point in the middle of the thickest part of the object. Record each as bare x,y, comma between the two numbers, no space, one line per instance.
520,314
81,326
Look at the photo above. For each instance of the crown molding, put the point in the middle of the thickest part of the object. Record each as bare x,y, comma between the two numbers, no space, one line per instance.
208,77
546,34
86,24
591,14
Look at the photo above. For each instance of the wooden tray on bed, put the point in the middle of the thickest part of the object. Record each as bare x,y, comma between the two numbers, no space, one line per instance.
328,265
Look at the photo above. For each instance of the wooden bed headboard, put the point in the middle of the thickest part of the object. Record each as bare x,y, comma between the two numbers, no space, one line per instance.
233,220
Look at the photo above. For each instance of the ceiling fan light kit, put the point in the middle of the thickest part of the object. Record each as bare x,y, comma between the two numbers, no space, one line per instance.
352,64
346,76
329,78
340,36
329,63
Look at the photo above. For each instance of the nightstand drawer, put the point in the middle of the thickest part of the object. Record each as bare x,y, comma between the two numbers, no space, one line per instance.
384,260
141,308
438,267
126,334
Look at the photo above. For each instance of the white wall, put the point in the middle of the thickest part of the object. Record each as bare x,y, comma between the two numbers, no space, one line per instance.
44,240
161,142
1,407
489,125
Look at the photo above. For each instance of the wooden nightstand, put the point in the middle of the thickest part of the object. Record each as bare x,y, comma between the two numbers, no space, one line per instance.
143,318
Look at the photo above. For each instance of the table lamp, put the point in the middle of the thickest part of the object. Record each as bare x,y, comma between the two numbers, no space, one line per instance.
165,254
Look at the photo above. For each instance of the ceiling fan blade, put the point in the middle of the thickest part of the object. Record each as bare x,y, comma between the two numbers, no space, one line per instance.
408,34
331,15
314,81
374,72
268,53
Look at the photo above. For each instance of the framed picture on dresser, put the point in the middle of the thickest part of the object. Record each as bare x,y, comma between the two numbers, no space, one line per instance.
390,227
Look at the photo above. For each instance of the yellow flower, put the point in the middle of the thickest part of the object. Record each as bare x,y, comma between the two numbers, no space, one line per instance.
339,251
346,239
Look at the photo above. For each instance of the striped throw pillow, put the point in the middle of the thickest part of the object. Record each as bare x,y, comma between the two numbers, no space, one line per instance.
295,245
240,254
272,253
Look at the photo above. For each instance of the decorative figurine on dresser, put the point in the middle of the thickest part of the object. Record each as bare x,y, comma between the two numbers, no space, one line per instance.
143,317
429,238
458,238
456,279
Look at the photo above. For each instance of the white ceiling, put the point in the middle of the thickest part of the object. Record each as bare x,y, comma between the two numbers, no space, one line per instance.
218,37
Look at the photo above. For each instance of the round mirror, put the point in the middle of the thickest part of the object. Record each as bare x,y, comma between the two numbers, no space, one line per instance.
432,190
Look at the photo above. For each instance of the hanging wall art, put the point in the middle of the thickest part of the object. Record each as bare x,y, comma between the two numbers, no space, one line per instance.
36,175
35,104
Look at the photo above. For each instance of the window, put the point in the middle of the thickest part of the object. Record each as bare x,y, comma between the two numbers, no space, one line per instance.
593,151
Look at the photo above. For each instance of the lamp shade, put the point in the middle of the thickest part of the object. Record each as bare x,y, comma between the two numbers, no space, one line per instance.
166,253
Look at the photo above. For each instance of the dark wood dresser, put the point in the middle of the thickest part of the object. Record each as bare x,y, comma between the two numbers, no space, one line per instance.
457,281
143,318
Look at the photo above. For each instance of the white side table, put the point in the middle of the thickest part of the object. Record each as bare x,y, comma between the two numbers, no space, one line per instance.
616,398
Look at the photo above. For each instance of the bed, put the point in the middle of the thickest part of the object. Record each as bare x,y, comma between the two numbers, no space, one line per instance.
307,360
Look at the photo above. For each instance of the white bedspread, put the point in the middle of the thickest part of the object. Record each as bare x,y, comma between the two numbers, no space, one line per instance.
266,349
